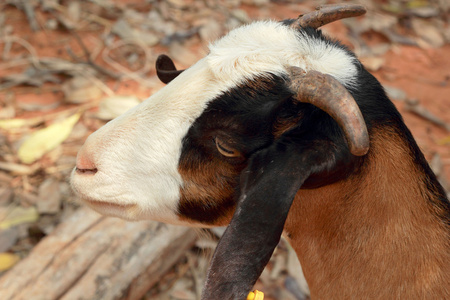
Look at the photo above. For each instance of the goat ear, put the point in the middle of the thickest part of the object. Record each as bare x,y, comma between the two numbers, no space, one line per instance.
165,69
268,186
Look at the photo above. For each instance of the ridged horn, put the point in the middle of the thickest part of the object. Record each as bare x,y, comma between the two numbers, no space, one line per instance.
328,94
325,14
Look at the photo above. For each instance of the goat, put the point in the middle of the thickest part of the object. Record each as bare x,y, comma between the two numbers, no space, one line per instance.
280,130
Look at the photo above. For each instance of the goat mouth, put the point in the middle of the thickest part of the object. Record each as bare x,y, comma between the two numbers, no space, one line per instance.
103,205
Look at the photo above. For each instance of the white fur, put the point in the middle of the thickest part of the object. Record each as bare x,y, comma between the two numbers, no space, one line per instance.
269,46
137,153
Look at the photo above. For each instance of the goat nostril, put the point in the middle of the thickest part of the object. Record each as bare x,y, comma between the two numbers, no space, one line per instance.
86,171
85,163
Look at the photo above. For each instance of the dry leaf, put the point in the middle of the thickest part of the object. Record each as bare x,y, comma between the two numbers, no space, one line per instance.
44,140
6,194
206,243
8,238
182,54
182,290
18,169
49,197
210,31
395,93
415,107
373,63
7,260
12,123
444,141
279,265
7,112
295,270
218,231
113,107
18,215
124,30
428,32
436,164
80,90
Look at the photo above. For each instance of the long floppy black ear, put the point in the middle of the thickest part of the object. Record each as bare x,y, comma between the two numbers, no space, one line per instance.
165,69
268,186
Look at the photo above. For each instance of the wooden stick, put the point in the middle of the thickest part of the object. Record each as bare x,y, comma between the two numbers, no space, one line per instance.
93,257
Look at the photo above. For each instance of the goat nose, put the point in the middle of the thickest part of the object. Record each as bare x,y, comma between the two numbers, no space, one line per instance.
85,162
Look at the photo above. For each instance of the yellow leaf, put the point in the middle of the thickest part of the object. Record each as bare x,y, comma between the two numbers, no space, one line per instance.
444,141
12,123
7,260
44,140
19,215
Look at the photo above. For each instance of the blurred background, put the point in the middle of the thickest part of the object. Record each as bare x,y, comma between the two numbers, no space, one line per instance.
68,67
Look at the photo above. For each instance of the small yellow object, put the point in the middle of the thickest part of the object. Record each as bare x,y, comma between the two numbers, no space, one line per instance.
7,260
255,295
44,140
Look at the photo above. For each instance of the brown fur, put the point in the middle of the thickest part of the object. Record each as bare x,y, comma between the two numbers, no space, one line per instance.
208,184
374,235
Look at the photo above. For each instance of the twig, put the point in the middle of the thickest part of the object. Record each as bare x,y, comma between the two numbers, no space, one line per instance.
196,275
81,43
6,49
87,54
136,75
34,57
415,107
91,17
29,11
100,84
63,66
19,169
14,63
92,64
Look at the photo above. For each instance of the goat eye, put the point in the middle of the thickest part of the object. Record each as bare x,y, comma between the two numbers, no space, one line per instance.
225,150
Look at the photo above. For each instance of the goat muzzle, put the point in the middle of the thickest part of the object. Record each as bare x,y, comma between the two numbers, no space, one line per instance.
328,13
328,94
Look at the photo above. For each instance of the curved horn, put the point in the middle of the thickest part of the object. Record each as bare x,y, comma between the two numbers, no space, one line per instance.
328,13
326,93
165,69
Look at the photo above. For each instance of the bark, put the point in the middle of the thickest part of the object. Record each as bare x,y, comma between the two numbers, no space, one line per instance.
94,257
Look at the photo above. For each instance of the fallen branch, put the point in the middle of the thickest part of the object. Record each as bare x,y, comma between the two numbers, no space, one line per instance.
415,107
134,75
93,257
88,60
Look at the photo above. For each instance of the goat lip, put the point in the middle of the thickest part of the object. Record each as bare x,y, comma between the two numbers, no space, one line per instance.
108,205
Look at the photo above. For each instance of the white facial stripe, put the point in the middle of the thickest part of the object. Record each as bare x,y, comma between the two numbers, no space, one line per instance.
137,154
